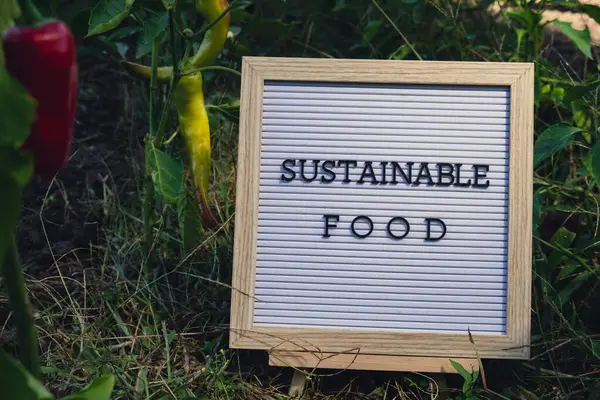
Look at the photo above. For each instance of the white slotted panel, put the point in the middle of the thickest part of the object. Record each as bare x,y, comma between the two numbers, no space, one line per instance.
378,283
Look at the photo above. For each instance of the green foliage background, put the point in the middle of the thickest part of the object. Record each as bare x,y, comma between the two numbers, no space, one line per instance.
565,337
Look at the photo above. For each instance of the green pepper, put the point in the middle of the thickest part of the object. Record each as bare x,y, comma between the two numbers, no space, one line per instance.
195,128
215,37
211,46
189,98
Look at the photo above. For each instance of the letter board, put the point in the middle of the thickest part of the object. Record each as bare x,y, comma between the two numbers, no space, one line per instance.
384,207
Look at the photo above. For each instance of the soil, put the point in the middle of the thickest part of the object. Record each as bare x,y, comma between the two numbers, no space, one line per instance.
100,153
62,220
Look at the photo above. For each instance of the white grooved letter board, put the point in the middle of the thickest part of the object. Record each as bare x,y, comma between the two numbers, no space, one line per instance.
384,206
377,282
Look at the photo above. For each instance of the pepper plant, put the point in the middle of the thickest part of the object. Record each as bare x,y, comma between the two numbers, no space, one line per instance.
169,30
36,117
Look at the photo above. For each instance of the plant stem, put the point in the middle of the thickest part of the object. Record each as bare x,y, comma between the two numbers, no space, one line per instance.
153,86
212,68
172,43
160,133
187,51
19,302
30,12
214,22
410,46
147,212
148,202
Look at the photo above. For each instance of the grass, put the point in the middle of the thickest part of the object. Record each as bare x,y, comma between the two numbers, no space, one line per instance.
95,317
81,235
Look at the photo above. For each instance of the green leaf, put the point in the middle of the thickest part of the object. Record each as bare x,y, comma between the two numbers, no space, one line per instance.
582,119
371,30
339,5
577,92
190,221
461,370
596,347
16,168
595,162
537,211
17,112
10,204
592,11
9,11
525,394
17,383
565,294
99,389
581,39
170,337
553,139
16,165
568,269
563,238
167,173
169,4
521,35
122,33
227,111
527,18
107,15
466,388
152,28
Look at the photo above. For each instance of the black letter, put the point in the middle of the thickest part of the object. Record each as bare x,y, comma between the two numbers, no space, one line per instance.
442,174
370,226
457,182
346,163
316,165
429,221
383,167
424,170
328,171
396,168
406,225
285,165
368,166
328,225
485,168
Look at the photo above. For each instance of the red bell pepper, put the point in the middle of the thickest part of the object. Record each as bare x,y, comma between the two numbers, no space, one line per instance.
42,58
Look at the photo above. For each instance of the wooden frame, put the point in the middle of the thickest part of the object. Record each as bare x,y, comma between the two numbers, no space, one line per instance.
513,345
305,359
